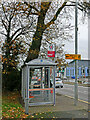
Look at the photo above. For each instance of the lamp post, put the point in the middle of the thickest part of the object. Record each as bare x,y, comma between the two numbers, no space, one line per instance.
76,51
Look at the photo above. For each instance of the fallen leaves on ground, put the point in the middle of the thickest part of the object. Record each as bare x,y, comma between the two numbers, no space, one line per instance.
11,108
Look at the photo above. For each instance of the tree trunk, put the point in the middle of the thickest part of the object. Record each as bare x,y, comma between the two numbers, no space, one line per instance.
36,43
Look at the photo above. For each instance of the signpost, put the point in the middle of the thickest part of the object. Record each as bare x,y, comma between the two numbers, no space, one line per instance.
73,56
51,50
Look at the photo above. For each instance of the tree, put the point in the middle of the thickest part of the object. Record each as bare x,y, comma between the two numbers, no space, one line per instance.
41,11
13,30
42,26
30,11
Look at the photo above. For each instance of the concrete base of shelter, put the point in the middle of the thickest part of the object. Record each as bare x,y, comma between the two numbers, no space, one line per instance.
63,104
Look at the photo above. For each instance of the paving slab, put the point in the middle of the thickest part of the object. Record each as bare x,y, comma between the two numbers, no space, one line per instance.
64,108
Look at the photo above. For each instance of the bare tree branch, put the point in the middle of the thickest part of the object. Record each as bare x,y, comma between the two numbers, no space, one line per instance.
83,5
34,13
32,7
15,32
4,13
3,33
56,15
5,26
17,35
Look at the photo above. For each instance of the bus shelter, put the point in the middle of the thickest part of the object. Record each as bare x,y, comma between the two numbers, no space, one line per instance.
38,83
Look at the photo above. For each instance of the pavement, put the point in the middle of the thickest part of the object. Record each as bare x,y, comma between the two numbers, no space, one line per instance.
64,108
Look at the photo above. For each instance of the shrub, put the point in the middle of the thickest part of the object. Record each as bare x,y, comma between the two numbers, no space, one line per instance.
12,80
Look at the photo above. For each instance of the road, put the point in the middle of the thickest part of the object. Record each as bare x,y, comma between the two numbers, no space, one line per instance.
69,91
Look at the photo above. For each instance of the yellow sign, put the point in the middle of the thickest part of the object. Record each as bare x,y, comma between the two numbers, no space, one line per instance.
73,56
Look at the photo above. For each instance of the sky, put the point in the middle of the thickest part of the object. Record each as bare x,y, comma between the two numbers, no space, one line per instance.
82,42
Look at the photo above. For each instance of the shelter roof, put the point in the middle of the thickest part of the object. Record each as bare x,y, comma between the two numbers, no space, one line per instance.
41,62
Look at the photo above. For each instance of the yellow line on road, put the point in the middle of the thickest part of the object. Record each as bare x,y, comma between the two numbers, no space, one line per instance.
84,101
69,96
78,99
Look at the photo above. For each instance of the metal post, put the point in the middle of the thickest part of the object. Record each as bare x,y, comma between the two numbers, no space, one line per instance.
27,93
41,77
49,77
54,73
44,76
24,86
22,83
54,82
48,83
76,67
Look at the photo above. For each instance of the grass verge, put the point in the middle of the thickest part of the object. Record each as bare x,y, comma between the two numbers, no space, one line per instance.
11,108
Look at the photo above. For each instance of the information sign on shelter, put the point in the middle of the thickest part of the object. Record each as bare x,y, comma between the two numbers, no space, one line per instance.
51,50
73,56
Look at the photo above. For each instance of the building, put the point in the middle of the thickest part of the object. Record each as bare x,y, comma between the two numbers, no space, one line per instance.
83,69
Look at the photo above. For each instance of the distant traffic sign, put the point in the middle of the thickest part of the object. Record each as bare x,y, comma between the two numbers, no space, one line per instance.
73,56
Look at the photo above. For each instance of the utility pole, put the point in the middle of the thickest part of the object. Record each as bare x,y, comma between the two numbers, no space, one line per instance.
76,51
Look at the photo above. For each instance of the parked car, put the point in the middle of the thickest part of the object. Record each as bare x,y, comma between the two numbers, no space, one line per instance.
36,85
64,78
86,82
58,82
34,80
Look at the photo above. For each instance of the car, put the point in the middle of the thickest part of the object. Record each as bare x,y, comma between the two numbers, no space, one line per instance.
64,78
86,82
36,85
58,82
34,80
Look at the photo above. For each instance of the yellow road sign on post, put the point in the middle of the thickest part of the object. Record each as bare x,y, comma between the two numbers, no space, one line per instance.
73,56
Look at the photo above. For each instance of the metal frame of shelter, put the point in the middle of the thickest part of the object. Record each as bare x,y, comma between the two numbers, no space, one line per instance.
26,89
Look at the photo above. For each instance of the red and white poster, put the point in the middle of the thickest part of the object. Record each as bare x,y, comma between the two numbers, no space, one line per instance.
51,51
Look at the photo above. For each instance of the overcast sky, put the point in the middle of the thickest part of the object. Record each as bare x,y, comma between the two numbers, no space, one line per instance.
82,42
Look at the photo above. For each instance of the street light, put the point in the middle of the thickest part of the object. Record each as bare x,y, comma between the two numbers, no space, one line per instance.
76,51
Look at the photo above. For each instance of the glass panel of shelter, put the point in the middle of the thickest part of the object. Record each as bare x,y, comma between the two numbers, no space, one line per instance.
41,85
